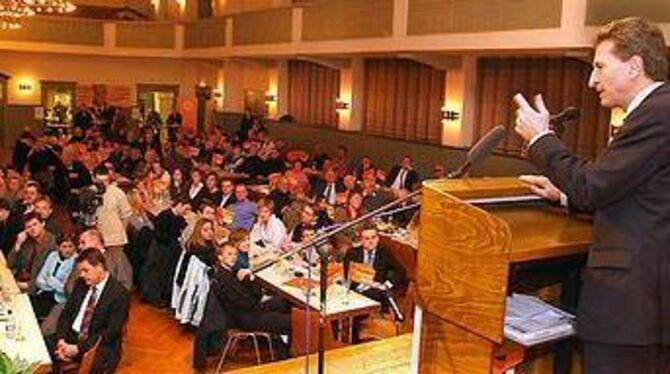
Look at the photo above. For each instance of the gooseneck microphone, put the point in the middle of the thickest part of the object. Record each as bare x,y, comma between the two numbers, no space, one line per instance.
480,151
557,121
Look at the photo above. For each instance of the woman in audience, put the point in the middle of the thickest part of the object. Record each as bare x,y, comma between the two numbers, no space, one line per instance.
296,175
50,282
178,185
269,230
200,245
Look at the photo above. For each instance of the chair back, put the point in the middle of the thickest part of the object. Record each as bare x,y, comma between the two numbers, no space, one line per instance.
89,358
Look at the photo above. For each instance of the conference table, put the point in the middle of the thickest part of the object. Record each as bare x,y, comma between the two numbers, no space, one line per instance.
27,343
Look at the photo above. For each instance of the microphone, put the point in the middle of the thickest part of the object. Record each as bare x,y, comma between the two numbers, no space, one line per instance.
557,121
480,151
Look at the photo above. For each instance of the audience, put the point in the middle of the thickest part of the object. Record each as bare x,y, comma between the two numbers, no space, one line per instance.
143,210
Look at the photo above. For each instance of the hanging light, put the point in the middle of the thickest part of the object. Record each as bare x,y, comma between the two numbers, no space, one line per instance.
12,13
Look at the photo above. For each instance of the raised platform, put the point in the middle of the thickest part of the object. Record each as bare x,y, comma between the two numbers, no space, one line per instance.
388,356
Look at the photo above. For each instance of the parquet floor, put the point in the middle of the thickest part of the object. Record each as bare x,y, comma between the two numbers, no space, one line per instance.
156,343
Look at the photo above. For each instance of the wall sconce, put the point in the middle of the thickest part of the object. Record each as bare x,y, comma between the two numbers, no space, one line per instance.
450,115
25,87
341,105
270,98
217,93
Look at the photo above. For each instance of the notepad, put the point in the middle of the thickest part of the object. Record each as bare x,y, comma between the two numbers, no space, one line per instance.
530,321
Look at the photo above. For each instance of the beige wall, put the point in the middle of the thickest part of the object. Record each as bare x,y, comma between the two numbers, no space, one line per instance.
31,68
239,76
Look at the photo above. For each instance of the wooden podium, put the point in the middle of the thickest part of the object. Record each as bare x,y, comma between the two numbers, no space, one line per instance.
468,247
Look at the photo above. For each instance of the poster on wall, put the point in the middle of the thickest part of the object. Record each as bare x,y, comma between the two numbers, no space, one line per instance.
189,112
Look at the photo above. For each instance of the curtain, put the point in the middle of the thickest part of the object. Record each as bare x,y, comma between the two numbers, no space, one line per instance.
563,82
403,100
313,90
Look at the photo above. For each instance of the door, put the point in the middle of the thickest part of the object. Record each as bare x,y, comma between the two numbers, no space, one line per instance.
58,100
157,97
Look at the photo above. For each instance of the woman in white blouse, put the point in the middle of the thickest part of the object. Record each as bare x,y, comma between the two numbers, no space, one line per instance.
268,228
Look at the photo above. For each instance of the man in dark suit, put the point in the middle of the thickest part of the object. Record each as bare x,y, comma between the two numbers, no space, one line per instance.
227,194
328,187
97,309
624,308
388,273
403,175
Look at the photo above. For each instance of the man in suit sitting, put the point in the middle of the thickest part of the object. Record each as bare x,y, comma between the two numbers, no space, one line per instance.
242,299
388,273
403,175
97,309
328,187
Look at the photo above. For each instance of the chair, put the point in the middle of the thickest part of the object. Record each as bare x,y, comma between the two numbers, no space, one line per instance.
86,363
235,336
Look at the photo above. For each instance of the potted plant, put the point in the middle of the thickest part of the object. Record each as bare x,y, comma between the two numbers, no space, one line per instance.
16,365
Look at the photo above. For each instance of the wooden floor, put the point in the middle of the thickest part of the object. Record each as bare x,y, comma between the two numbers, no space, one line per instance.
156,343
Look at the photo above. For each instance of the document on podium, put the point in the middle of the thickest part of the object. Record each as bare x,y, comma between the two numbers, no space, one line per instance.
530,321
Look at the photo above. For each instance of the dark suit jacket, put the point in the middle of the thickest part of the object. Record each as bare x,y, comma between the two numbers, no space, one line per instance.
411,180
625,298
386,267
230,201
108,321
319,187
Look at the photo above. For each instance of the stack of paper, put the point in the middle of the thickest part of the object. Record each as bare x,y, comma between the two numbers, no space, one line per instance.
530,321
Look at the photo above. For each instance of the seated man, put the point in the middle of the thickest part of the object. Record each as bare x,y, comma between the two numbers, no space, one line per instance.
242,299
97,309
388,273
50,283
30,251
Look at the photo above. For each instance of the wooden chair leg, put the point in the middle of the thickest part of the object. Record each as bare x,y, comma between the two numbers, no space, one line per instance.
272,352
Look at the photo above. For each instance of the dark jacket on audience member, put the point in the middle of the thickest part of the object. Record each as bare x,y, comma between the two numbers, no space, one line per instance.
108,321
411,180
386,267
242,302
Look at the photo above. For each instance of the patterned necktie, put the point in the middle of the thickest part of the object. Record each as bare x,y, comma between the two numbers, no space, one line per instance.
88,314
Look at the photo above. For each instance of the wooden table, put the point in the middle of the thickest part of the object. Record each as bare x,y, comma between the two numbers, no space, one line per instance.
388,356
339,304
29,344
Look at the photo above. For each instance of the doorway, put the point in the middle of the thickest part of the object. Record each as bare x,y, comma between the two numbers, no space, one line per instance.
157,97
58,101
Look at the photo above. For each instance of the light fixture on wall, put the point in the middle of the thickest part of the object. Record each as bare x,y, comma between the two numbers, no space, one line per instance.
270,98
341,104
450,115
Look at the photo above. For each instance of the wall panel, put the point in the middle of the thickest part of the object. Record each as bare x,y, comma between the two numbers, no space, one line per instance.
145,34
205,33
599,12
263,27
59,30
453,16
347,19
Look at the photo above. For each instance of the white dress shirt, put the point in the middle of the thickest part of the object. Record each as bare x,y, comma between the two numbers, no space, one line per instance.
76,325
399,182
273,232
